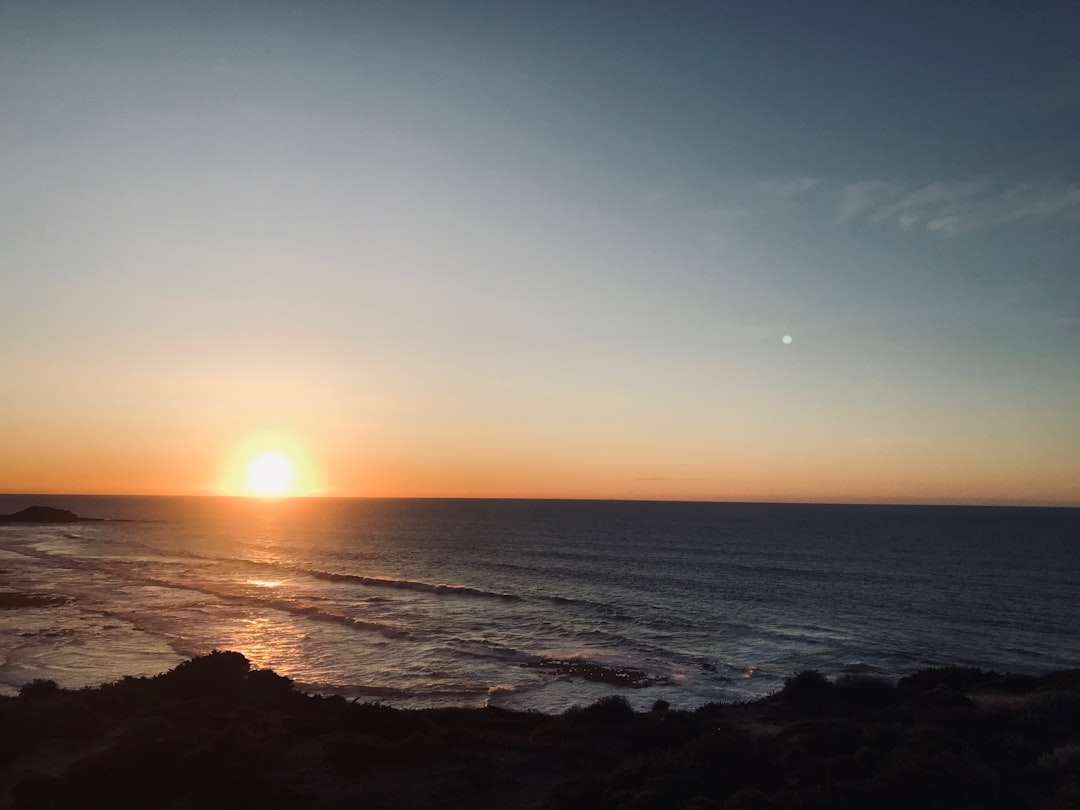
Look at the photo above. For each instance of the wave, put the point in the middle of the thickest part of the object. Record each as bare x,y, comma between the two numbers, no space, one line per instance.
312,612
485,650
409,584
861,668
441,589
503,689
507,694
284,605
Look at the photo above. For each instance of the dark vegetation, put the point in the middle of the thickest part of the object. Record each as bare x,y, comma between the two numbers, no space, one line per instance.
215,733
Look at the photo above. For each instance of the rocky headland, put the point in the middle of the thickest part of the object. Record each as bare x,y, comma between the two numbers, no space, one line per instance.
44,514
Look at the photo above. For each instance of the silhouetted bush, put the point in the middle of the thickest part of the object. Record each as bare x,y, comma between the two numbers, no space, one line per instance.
945,696
961,679
1014,684
1052,717
39,688
1065,680
1068,796
609,710
745,799
265,683
219,673
824,738
1062,757
816,745
581,791
920,778
866,691
666,730
360,754
386,721
807,690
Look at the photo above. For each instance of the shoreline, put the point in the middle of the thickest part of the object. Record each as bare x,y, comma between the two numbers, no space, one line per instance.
640,686
213,731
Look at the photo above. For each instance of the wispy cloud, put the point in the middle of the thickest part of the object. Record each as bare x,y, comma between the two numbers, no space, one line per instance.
1041,200
788,189
933,201
944,225
945,208
857,198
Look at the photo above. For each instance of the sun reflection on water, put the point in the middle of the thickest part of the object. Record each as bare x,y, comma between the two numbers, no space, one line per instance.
264,583
266,642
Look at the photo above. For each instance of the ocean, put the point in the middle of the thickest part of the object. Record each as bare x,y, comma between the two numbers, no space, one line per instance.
536,605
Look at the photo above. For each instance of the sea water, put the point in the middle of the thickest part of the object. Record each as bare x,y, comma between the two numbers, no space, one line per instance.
536,604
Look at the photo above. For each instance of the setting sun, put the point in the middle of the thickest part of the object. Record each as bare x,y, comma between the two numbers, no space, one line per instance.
269,464
270,475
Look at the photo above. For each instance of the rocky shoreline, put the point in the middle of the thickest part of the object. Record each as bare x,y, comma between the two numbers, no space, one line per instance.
215,733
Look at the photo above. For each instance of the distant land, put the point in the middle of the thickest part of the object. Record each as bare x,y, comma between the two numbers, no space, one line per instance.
44,514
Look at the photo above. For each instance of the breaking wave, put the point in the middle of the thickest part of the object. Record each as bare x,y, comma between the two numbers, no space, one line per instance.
410,585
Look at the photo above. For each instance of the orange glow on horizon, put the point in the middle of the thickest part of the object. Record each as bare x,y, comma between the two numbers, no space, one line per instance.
788,467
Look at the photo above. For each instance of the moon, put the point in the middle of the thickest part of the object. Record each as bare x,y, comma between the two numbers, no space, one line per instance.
786,339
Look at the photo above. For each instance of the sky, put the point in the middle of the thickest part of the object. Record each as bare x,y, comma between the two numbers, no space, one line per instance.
683,250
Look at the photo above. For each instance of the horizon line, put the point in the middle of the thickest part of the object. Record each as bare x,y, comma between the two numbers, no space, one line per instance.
990,503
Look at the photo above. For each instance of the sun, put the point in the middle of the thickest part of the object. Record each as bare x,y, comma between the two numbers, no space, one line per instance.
270,475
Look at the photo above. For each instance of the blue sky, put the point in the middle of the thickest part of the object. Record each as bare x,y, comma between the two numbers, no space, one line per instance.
475,249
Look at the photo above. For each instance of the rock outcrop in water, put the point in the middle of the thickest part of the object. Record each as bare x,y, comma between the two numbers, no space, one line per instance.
597,673
43,514
215,733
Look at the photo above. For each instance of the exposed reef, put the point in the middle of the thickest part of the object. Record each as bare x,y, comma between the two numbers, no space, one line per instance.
598,673
215,733
9,600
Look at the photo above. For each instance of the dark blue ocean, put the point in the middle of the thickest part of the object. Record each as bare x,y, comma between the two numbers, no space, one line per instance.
537,604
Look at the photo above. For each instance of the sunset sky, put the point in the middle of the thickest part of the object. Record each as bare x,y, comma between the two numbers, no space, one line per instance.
470,249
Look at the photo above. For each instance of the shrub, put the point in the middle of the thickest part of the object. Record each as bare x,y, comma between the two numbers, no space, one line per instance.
609,710
220,673
1066,680
944,696
39,688
745,799
1014,684
866,691
807,690
1052,716
268,684
962,679
1061,757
